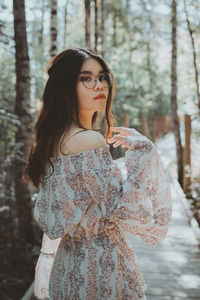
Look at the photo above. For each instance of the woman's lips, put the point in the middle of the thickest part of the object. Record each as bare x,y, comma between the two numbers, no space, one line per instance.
100,96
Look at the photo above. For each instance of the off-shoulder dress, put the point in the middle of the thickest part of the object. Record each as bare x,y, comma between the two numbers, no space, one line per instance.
85,208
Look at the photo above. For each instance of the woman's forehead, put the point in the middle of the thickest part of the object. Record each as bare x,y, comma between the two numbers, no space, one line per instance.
91,65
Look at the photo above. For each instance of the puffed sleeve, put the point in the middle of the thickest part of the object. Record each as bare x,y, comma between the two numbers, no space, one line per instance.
145,208
142,204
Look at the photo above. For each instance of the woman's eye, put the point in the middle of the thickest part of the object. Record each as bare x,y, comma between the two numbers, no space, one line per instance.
86,78
102,78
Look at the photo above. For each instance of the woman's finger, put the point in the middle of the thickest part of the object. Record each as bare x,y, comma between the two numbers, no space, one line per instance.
124,146
116,129
118,143
115,138
125,131
119,129
122,132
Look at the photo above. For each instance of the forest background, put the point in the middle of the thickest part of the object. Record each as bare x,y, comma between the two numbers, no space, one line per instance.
152,48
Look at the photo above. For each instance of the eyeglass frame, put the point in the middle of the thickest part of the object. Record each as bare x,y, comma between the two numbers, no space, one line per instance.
96,77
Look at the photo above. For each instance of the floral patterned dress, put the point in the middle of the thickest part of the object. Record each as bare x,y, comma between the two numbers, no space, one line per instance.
85,208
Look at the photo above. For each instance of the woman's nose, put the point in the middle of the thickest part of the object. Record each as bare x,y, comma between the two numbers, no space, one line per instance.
99,84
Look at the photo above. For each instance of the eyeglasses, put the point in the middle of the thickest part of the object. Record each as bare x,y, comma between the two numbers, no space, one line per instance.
89,80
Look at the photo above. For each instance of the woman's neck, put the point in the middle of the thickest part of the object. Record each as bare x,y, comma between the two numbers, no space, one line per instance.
86,121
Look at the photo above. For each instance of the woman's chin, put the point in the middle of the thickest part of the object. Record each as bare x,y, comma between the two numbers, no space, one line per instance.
100,108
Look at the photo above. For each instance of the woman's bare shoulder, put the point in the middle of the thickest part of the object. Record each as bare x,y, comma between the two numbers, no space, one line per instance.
83,141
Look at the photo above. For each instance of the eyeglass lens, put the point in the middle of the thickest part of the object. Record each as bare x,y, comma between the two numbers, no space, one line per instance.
90,80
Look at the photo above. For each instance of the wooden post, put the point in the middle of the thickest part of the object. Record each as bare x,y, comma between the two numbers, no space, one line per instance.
144,125
162,124
170,123
167,123
158,126
164,120
187,155
153,128
126,121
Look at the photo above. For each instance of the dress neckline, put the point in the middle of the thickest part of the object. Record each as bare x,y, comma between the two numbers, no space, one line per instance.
79,154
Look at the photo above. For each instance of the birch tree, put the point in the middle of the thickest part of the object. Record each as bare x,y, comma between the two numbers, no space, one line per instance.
189,26
65,24
41,32
53,29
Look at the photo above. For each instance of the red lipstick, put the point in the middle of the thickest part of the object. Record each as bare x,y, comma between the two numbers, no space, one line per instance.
100,96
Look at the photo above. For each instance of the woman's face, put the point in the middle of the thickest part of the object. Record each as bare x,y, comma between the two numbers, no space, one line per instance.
86,96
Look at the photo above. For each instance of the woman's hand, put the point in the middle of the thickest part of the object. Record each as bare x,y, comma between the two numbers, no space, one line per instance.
128,138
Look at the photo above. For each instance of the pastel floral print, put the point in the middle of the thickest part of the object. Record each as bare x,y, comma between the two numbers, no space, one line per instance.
86,207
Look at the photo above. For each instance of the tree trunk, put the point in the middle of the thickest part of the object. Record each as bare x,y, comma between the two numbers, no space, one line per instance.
194,54
187,154
149,66
158,126
96,26
53,43
127,6
149,29
153,129
175,121
126,120
22,110
87,24
114,28
40,38
144,126
102,28
65,25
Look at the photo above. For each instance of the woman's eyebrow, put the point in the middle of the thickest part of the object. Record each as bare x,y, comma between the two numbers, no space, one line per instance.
89,72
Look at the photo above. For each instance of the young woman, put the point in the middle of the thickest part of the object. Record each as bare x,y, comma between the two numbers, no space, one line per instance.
84,207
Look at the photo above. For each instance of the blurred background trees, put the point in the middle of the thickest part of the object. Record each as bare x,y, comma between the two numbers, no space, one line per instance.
153,55
135,38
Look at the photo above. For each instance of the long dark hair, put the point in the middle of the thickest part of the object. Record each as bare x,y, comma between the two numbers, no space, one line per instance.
60,104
